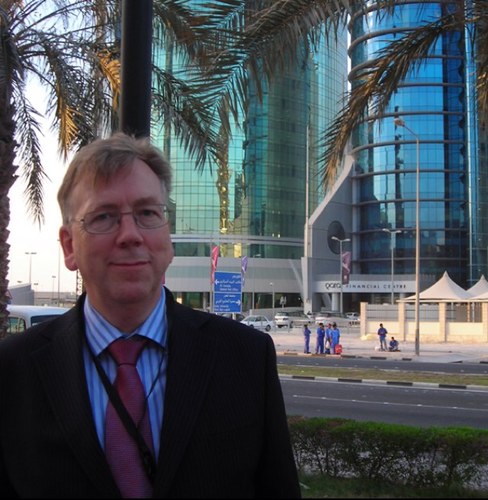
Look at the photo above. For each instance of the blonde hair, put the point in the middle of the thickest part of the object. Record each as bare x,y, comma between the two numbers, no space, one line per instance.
103,158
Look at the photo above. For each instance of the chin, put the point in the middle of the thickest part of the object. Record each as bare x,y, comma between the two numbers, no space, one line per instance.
131,293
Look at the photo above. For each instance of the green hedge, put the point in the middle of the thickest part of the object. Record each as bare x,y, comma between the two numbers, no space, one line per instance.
398,454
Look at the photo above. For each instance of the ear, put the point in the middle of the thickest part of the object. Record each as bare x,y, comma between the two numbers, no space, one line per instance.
66,241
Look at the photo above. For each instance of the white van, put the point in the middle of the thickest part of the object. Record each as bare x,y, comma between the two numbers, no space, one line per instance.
22,317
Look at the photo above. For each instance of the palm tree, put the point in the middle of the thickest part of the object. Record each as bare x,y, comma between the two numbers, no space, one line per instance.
81,83
380,78
258,38
70,48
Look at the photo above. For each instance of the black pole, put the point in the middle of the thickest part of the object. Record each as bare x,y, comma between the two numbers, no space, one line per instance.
135,95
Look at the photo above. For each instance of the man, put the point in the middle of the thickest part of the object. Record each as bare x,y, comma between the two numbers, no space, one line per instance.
212,418
335,338
320,339
306,338
394,345
327,338
382,332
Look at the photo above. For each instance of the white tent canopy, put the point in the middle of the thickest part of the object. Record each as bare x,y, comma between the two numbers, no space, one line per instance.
444,290
480,297
479,288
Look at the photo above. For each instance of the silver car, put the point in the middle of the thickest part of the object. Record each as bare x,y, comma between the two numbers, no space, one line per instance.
291,319
259,321
282,319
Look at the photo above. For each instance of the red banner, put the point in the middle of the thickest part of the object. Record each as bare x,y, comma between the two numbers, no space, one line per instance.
346,267
214,257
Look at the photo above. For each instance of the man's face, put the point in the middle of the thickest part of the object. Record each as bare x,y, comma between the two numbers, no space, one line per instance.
125,266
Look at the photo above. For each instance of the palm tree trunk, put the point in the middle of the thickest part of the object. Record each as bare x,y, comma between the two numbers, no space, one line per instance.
7,178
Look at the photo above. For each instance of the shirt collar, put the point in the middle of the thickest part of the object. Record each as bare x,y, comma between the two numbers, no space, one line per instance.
100,333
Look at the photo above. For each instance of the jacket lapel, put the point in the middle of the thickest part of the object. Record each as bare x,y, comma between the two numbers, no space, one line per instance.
61,370
191,357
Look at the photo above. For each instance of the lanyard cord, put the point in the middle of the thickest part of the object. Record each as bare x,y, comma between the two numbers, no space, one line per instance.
147,458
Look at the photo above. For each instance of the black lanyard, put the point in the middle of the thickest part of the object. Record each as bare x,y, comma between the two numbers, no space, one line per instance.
147,458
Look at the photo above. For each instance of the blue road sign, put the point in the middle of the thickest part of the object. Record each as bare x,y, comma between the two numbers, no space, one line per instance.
227,292
227,302
227,282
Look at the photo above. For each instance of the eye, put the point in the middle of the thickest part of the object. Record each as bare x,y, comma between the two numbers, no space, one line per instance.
149,213
101,217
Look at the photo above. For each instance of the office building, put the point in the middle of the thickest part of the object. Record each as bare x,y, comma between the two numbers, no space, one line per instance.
431,124
255,205
267,203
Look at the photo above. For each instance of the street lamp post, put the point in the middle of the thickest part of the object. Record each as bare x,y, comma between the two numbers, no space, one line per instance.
52,291
30,254
340,265
272,298
400,123
392,248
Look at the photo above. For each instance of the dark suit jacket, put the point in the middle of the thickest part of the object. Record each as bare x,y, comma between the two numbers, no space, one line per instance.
225,432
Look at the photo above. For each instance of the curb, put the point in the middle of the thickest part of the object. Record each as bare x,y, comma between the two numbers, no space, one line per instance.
373,357
426,385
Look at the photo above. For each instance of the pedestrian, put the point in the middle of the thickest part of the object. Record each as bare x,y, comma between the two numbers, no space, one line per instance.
394,345
306,338
327,338
382,333
211,420
319,346
335,337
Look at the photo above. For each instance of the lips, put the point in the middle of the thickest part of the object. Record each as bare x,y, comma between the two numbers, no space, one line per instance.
130,263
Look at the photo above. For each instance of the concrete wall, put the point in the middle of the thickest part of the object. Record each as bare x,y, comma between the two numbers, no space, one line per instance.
435,322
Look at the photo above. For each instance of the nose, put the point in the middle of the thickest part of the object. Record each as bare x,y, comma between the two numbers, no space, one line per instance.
128,231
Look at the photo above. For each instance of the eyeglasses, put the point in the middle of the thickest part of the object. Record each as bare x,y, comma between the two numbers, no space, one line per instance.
108,221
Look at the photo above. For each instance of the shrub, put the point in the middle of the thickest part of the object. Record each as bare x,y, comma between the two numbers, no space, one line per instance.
399,454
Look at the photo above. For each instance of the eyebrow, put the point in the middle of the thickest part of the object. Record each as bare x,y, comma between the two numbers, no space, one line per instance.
138,203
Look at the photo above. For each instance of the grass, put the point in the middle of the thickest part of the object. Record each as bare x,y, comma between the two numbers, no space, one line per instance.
318,486
381,374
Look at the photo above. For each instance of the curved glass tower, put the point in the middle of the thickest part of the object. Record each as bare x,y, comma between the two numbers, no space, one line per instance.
440,122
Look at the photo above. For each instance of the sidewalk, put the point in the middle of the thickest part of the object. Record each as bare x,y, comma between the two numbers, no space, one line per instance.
291,342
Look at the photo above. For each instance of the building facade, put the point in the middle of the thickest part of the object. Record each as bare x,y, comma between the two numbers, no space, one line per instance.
266,202
255,204
430,126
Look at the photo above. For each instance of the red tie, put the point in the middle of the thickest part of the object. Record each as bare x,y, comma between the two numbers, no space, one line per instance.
120,449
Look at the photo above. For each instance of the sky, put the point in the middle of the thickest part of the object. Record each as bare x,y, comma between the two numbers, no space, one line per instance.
27,236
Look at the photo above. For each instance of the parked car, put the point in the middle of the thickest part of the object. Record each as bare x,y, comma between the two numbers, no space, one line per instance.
291,319
299,318
259,321
282,319
236,316
353,318
327,317
21,317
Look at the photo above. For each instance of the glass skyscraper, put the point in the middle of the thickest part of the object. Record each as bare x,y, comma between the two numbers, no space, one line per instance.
437,103
254,203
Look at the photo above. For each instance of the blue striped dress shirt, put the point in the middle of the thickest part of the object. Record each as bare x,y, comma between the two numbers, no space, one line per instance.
151,364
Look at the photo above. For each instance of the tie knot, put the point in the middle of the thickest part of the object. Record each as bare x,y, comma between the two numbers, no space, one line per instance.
127,351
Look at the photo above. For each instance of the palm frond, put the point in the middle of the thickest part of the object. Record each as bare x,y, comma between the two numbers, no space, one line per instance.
190,116
377,80
29,151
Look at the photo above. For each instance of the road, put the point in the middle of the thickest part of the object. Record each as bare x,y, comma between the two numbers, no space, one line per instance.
416,406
